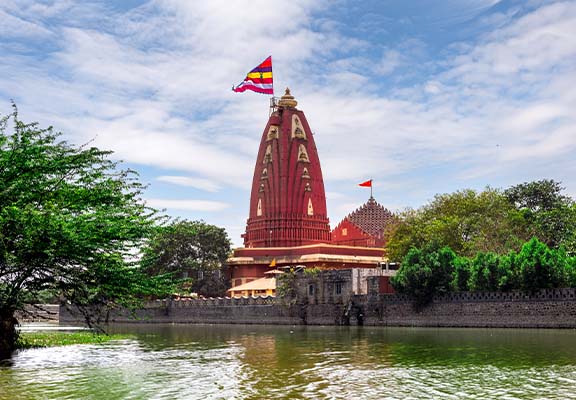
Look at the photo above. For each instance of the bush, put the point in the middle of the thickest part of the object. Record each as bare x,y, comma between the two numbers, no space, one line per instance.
461,275
540,267
485,271
425,272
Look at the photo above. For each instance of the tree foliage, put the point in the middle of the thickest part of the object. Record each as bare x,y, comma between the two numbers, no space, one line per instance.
541,267
489,221
193,252
425,272
70,221
466,221
545,212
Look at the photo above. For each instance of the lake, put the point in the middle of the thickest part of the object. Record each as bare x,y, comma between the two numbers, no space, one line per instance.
298,362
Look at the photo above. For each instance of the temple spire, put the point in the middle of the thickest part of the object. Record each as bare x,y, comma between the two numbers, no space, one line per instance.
288,202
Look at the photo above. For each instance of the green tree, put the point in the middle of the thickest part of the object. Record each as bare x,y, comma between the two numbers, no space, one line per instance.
509,277
70,222
485,272
194,253
462,272
467,221
425,272
541,267
545,212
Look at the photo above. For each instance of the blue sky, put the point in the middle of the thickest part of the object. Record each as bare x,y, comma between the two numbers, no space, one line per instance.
425,97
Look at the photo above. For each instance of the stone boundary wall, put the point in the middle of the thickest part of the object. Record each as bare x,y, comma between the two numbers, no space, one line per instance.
247,310
39,313
551,308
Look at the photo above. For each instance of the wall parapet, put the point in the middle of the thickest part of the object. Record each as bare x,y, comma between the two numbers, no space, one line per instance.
211,302
560,294
547,308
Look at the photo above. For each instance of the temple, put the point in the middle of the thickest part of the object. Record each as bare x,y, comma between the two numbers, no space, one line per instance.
288,223
364,227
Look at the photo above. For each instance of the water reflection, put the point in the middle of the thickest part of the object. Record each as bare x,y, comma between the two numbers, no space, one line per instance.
260,362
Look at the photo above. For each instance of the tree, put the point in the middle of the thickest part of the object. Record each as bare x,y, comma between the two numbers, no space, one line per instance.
541,267
194,252
70,221
545,212
462,271
425,272
466,221
485,272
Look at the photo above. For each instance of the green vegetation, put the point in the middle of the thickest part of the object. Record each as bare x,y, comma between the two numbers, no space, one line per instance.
431,270
312,272
28,340
286,287
193,252
491,221
521,238
70,223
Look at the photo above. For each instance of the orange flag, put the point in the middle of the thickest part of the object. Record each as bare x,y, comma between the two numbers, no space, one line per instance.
366,184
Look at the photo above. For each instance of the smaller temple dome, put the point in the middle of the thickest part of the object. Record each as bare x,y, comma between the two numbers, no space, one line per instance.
365,226
287,100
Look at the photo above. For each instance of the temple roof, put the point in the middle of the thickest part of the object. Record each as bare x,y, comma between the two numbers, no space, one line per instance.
371,217
258,284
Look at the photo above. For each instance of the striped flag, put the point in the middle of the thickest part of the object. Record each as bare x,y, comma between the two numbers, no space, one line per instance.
259,79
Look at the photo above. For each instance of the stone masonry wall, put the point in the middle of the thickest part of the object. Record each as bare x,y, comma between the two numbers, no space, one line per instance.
253,310
552,308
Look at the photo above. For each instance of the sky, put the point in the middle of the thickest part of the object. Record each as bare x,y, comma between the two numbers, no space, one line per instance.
422,96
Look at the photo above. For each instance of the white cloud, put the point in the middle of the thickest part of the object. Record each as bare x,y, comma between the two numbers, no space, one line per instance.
153,84
391,59
190,205
198,183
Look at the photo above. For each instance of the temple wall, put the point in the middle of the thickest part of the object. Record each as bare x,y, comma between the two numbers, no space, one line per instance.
552,308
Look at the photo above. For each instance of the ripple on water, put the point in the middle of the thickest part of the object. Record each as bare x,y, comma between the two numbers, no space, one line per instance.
318,364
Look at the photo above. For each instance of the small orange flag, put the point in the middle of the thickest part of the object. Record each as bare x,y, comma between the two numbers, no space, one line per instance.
366,184
273,263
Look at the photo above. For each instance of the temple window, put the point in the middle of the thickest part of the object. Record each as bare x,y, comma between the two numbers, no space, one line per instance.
344,231
264,174
310,208
307,188
302,154
338,288
259,208
261,187
305,174
311,290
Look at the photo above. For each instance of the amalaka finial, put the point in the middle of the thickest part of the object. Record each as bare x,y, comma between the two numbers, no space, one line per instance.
287,100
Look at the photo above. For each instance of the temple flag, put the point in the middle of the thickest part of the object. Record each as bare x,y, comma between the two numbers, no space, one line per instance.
259,79
273,263
367,184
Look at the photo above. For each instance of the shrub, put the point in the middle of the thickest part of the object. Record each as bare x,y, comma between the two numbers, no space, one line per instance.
425,272
540,267
484,274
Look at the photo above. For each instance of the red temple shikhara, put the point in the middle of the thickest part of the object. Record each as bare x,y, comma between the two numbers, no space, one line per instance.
288,223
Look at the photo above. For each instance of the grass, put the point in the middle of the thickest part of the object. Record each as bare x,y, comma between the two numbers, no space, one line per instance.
29,340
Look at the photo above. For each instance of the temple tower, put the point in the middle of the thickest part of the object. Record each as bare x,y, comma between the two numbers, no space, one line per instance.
287,202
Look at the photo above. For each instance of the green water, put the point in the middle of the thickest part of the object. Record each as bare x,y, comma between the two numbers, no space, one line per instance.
262,362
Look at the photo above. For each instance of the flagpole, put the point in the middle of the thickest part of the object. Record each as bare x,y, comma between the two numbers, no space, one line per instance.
371,189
